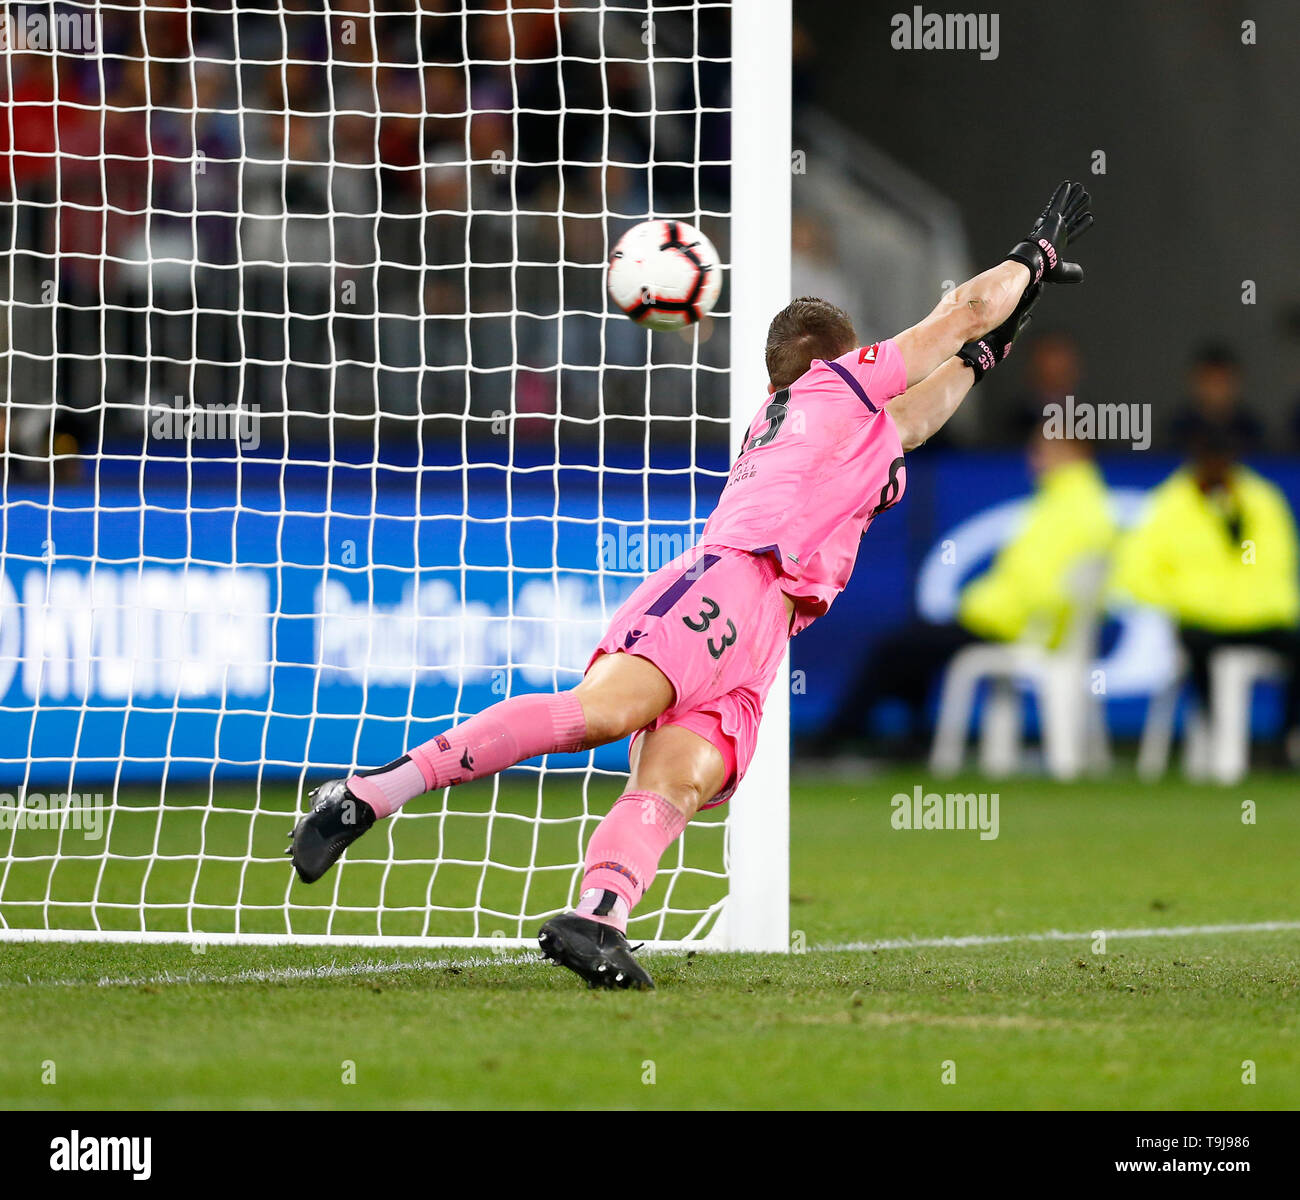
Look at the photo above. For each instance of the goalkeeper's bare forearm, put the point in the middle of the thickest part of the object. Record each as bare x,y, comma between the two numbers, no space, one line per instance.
964,314
921,411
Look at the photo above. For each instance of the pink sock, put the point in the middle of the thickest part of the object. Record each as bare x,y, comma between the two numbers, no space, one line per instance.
623,855
497,738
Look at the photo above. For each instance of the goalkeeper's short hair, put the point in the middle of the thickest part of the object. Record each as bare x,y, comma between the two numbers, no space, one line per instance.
805,329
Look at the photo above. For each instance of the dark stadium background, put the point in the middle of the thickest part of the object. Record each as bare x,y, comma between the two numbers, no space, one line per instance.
1201,137
1202,141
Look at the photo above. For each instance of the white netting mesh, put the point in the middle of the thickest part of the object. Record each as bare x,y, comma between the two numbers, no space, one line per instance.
321,435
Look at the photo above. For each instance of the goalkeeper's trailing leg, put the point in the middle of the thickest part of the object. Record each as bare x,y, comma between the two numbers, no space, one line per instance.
681,759
687,661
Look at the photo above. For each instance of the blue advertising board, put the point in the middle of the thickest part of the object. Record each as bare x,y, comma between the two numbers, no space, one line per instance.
206,622
209,623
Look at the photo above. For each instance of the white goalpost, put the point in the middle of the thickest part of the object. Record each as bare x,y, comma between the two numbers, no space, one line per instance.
320,435
758,912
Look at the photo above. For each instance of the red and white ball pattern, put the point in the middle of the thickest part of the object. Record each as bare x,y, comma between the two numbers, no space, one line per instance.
664,274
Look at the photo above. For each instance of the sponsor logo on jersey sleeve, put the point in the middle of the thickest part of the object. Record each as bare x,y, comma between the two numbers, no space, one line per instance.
868,353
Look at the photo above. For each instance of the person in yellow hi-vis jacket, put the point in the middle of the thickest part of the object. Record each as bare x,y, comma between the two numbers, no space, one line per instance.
1025,593
1028,592
1216,549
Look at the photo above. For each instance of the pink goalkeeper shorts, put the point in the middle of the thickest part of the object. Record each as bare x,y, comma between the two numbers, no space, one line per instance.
714,622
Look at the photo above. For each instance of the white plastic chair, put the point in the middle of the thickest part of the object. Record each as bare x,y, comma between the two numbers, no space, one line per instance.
1234,671
1072,716
1219,748
1158,730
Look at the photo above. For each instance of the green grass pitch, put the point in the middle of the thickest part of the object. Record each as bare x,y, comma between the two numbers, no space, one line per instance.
1159,1022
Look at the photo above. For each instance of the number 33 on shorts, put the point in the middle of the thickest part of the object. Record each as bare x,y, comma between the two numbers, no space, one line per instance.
701,624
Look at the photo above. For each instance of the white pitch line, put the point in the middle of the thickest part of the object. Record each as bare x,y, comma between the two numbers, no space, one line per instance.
1057,935
273,974
371,967
326,971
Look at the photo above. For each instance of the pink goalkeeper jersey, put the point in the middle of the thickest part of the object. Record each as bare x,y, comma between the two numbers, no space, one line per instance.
819,462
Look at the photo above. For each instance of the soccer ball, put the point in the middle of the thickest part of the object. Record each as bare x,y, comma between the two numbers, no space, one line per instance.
664,274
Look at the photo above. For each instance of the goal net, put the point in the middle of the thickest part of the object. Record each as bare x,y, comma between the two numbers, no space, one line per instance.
321,435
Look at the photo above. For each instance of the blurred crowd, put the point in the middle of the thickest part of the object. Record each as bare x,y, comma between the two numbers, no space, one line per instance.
296,208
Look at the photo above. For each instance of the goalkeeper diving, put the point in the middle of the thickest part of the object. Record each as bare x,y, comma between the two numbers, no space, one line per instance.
687,661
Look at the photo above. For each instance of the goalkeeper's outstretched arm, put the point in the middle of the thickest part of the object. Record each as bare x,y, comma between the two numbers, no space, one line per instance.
971,329
980,305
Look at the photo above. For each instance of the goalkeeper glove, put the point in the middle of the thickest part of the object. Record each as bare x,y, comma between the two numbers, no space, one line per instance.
1064,221
985,353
